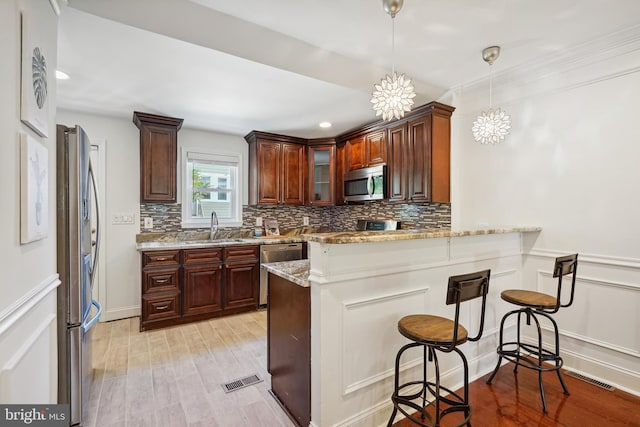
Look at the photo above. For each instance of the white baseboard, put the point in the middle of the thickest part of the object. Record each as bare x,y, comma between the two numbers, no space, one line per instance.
120,313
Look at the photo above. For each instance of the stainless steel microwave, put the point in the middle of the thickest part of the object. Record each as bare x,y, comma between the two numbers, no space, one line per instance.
366,184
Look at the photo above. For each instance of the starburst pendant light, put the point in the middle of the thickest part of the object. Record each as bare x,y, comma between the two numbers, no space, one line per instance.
394,95
493,125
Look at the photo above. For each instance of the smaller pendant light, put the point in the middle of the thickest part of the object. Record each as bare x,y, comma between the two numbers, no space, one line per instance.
493,125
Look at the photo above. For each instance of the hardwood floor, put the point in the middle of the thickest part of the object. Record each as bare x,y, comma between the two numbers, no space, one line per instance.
514,400
173,377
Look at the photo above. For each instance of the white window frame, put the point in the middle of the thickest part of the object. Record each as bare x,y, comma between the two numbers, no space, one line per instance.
233,159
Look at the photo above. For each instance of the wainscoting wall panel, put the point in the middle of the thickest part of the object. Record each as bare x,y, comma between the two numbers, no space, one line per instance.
28,339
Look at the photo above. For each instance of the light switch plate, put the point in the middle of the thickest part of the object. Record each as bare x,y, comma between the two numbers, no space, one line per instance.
119,219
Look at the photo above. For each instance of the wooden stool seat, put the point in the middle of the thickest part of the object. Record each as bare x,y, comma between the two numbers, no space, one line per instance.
528,298
536,306
435,334
429,329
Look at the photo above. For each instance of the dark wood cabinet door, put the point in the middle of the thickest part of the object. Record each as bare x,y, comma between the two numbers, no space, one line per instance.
269,165
202,288
158,156
419,145
397,164
322,173
355,154
376,148
340,169
158,153
440,158
241,284
293,174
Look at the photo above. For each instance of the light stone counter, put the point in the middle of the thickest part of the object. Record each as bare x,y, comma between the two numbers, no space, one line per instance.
294,271
385,236
193,244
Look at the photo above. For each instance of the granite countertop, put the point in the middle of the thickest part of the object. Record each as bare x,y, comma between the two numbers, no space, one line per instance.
294,271
159,245
383,236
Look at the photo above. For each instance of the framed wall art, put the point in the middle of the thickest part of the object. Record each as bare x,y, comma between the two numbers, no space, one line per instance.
36,75
34,190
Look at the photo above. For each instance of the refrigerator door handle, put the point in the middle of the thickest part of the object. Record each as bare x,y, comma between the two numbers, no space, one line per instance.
90,323
97,245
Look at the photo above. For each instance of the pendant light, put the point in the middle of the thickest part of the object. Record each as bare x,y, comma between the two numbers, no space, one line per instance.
493,125
394,95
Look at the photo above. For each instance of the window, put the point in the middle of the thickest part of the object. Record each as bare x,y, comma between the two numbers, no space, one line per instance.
211,183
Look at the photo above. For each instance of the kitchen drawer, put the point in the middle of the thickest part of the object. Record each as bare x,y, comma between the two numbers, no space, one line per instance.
234,253
161,307
160,280
160,258
198,256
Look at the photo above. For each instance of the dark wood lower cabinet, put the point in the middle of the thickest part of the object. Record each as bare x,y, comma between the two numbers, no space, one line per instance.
240,279
202,289
289,347
181,286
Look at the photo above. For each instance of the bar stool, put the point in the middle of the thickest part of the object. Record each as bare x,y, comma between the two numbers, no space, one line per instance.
435,333
534,304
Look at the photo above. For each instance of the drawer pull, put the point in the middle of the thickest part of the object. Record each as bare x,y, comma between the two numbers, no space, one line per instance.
165,280
162,307
162,258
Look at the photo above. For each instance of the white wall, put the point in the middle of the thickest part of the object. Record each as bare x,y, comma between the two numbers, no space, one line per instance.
28,359
569,165
122,149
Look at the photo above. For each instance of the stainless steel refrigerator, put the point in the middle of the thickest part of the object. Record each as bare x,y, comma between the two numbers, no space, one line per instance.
78,244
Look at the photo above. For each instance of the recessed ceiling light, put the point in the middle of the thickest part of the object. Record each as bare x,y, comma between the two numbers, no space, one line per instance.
61,75
325,124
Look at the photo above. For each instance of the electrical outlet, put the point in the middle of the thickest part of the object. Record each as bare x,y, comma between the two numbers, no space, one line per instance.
305,220
259,221
148,223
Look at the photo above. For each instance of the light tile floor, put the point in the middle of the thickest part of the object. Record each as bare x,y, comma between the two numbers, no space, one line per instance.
173,377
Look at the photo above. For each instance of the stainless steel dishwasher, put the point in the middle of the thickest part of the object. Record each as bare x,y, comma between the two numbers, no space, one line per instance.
275,253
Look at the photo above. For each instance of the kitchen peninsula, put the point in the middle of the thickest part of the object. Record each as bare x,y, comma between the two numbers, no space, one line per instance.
358,284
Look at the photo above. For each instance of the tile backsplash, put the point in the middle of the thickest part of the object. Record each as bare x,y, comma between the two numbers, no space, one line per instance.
167,217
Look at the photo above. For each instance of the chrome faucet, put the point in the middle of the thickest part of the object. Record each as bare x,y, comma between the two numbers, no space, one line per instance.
214,225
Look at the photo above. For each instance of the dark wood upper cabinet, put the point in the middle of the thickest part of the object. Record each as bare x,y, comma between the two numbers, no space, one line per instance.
375,148
355,154
277,169
419,157
397,163
366,150
158,156
284,169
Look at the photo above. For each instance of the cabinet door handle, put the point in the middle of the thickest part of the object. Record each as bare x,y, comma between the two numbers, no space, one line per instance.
162,307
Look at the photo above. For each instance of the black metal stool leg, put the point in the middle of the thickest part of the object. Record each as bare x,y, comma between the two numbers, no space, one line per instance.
500,344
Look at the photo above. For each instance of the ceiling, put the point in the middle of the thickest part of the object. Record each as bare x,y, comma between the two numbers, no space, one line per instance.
285,65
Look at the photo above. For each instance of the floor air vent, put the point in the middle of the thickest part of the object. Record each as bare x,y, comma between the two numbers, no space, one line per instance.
600,384
241,383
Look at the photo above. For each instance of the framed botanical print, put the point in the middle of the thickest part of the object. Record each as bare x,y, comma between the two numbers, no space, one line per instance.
34,190
36,74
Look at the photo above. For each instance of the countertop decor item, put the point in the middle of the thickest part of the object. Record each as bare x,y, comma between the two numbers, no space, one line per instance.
394,95
493,125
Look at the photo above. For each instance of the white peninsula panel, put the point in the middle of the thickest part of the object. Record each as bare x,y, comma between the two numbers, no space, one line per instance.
361,287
